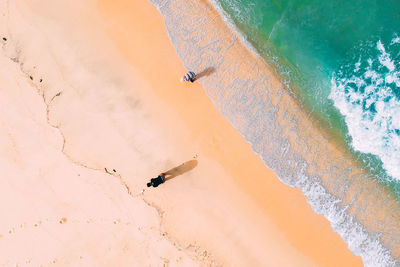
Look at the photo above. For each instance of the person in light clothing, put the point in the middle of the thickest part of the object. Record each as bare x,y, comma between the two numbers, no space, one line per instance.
189,77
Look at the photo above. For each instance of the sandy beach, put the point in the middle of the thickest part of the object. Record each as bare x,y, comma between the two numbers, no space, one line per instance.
92,108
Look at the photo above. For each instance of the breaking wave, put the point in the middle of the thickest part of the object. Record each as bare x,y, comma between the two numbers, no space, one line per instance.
367,95
282,133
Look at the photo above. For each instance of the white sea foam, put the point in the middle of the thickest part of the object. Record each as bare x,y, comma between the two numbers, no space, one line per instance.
360,242
250,111
384,58
371,109
395,40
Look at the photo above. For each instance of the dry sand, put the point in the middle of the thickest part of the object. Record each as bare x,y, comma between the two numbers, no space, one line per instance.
91,108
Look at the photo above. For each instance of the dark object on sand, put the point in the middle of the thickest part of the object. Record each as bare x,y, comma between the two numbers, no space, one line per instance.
157,181
190,76
4,39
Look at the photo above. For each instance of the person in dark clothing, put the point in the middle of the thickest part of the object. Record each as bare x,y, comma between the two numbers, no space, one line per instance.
157,181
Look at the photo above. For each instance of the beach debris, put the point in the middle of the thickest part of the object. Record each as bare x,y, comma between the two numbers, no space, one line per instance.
4,39
190,76
141,192
41,80
30,77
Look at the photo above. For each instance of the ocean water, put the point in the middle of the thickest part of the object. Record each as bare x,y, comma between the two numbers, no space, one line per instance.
341,59
330,128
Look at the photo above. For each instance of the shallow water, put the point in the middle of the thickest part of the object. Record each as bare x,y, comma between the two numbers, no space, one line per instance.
296,127
340,58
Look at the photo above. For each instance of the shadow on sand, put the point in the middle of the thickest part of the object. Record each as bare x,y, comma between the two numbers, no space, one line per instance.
206,72
181,169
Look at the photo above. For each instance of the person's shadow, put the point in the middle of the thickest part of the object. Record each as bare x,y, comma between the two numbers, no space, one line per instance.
181,169
206,72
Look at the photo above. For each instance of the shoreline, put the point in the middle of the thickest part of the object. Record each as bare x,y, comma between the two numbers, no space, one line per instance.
329,194
256,194
86,128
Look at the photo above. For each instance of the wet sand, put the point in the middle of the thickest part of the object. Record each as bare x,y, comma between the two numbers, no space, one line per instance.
103,112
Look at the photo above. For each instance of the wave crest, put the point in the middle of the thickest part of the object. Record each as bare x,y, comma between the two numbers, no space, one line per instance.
367,96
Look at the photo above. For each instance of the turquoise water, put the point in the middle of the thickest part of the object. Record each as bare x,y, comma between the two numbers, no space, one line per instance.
341,60
340,63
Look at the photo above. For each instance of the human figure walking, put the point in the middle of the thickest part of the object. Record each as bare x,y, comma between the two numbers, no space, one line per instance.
189,77
157,181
